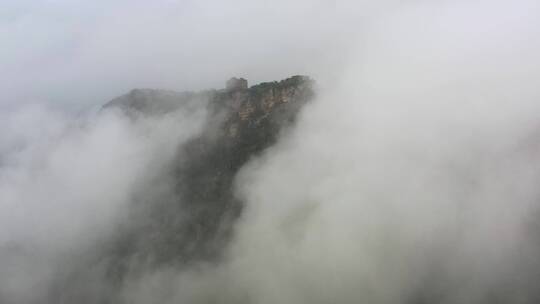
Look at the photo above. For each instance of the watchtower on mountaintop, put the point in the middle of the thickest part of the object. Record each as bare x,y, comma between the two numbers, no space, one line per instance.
234,84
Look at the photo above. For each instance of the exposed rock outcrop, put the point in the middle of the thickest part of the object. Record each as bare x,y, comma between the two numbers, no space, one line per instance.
198,223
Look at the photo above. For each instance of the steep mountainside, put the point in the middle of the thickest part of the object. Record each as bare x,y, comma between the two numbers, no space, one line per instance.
197,223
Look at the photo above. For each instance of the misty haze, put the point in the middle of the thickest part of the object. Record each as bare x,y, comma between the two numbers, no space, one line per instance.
270,152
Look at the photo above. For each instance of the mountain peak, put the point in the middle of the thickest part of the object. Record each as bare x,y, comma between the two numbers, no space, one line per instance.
234,84
242,122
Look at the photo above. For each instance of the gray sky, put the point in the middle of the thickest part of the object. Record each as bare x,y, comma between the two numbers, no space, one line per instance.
81,53
76,53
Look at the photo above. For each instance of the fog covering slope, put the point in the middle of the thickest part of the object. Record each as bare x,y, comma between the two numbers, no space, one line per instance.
411,177
173,210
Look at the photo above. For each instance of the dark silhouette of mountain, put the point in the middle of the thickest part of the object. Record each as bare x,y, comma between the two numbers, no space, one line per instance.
194,224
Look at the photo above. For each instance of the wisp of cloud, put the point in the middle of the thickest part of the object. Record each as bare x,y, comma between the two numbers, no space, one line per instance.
411,178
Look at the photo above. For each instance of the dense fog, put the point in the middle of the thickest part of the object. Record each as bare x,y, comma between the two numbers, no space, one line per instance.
412,177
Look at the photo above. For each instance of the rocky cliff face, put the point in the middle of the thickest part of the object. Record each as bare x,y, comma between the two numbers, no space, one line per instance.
197,224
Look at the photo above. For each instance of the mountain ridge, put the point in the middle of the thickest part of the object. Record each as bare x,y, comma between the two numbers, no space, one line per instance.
195,224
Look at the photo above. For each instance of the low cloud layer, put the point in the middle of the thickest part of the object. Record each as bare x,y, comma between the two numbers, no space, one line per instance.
412,178
66,182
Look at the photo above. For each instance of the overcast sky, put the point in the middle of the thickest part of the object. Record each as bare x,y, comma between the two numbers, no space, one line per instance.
75,54
82,53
